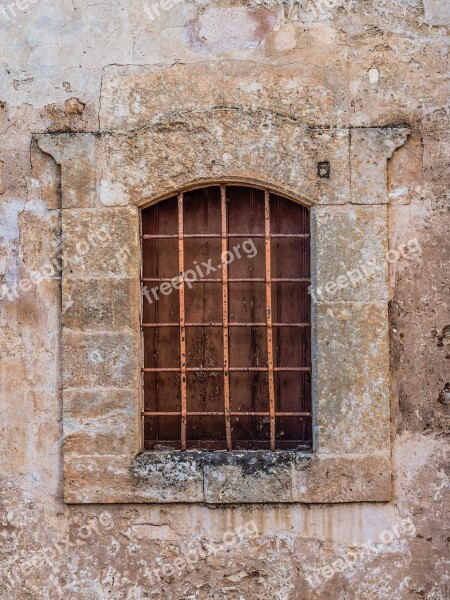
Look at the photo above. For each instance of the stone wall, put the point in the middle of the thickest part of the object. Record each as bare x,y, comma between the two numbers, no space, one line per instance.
347,65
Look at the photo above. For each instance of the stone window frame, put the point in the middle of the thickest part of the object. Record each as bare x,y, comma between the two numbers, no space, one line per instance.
148,155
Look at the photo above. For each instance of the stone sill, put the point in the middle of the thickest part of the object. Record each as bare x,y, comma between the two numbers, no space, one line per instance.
260,476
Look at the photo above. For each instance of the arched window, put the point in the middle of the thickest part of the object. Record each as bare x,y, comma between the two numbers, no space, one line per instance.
226,321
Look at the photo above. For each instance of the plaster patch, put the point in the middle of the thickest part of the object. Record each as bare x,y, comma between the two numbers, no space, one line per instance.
373,75
412,454
223,29
437,12
285,38
9,220
323,33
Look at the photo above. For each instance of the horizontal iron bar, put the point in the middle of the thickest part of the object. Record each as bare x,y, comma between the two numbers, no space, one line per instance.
169,236
221,444
233,280
220,369
229,324
146,413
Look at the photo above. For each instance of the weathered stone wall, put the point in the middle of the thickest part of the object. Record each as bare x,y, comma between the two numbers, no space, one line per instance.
351,64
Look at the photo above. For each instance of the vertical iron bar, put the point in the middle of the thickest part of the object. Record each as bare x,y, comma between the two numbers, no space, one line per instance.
182,323
142,334
156,331
254,377
269,322
226,372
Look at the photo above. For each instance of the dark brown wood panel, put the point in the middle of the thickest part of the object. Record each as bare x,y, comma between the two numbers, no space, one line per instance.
233,350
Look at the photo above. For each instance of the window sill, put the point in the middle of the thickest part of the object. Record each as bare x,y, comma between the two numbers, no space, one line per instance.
260,476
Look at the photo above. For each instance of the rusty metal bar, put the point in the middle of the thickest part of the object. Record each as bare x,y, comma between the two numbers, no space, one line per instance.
169,279
142,337
234,280
168,236
229,324
220,369
269,321
182,324
217,445
226,358
220,414
289,280
178,324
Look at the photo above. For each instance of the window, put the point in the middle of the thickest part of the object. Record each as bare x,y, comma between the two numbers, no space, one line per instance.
226,344
140,156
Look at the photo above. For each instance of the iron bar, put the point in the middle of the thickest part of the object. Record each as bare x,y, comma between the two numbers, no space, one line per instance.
220,369
229,324
233,279
226,375
182,321
168,236
218,445
269,321
231,413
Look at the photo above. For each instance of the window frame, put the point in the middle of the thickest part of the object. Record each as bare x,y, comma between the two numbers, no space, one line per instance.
108,176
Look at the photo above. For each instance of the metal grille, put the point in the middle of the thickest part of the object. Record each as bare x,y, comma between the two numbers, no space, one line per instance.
226,357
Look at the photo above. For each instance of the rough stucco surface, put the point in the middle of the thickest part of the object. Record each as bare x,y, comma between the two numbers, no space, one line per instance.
362,64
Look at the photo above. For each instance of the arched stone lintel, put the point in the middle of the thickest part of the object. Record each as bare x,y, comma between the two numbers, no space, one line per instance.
228,180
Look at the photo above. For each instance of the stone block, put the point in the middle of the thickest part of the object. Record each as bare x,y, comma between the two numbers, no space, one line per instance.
40,229
101,421
133,97
364,478
252,476
351,357
349,253
98,479
100,360
78,156
201,147
109,434
94,404
370,149
100,243
195,148
100,304
168,477
226,478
